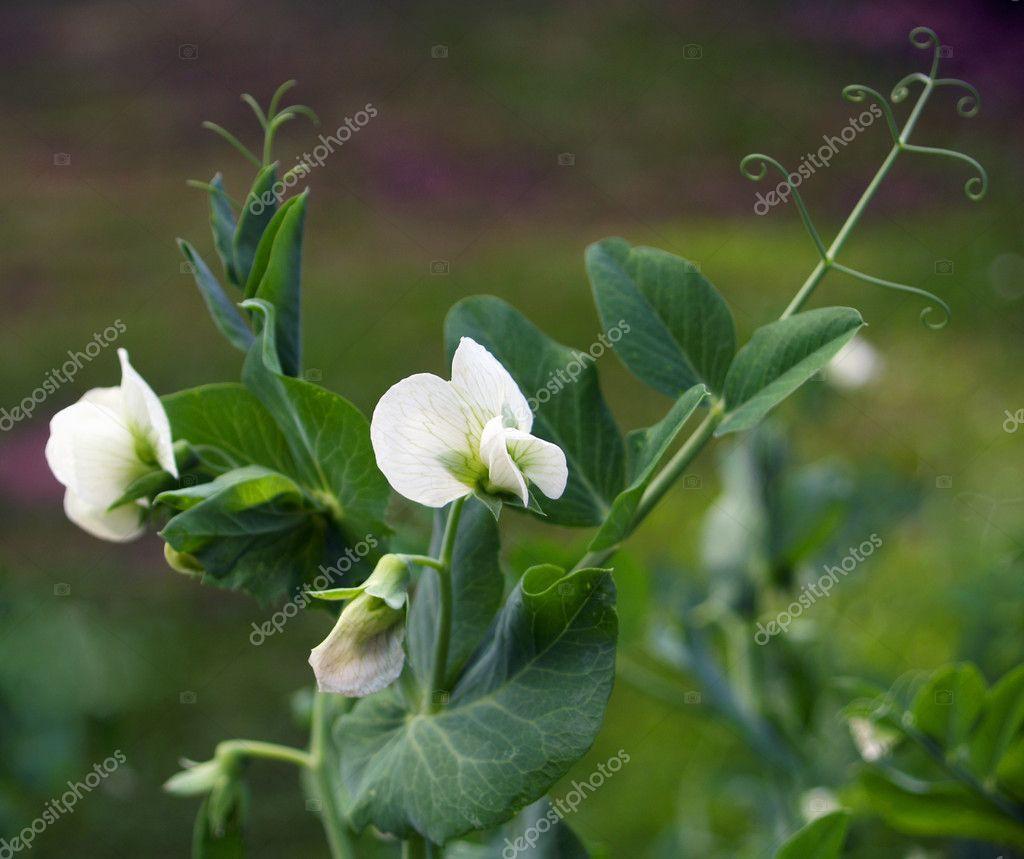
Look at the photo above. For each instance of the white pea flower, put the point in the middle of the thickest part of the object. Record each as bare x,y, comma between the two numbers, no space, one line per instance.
104,442
363,653
855,365
436,440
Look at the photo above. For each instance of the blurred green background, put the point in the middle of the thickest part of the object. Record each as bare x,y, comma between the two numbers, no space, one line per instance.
508,136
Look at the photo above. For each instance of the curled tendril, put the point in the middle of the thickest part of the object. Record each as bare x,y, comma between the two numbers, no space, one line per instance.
758,173
967,105
935,301
858,92
923,38
975,187
902,89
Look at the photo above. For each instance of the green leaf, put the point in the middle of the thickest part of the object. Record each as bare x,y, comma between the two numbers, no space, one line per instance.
948,704
820,839
145,486
222,310
209,842
225,421
223,226
556,840
677,330
528,705
328,437
644,450
253,220
779,358
1009,772
276,278
571,414
1001,721
477,587
934,809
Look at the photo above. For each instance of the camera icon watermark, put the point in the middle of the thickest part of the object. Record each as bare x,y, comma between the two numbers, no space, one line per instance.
944,697
439,52
566,159
187,697
691,697
440,698
440,266
313,374
188,52
314,805
566,589
189,480
61,159
692,481
61,589
186,268
693,52
944,481
944,266
945,51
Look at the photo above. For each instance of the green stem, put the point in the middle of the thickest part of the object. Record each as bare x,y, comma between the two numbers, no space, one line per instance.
431,703
338,837
423,561
416,847
267,751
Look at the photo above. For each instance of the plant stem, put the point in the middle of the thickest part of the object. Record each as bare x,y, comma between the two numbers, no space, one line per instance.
268,751
423,561
438,679
415,847
330,815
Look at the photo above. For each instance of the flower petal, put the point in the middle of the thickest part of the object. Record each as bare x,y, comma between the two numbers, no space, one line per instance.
90,449
502,472
119,525
145,414
425,440
363,653
487,385
541,462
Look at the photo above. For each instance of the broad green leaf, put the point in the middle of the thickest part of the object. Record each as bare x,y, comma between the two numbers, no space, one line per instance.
328,437
223,226
948,704
779,358
249,529
253,220
1009,772
225,421
644,450
571,414
820,839
477,587
1001,721
677,330
222,310
276,278
528,705
934,809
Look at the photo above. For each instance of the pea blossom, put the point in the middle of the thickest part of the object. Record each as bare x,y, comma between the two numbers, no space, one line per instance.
100,445
437,440
363,653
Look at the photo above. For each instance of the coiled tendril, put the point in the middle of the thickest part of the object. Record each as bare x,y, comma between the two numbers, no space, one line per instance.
755,167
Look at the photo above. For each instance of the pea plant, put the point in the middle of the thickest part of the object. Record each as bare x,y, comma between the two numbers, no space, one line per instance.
447,702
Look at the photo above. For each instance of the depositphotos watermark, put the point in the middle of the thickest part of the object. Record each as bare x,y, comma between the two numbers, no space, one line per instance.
326,577
811,593
568,804
317,158
59,806
61,375
812,161
561,378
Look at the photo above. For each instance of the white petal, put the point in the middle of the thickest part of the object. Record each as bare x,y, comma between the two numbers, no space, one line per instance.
119,525
541,462
487,385
350,663
855,365
145,414
91,451
502,472
426,441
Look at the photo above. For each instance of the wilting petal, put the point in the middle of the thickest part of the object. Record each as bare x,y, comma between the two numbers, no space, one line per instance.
119,525
91,451
363,654
487,385
541,462
425,440
145,414
502,472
